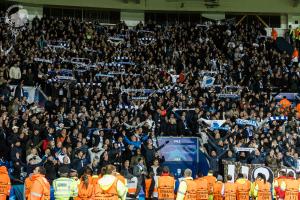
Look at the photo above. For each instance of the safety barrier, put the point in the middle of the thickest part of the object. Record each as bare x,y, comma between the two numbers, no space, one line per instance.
17,193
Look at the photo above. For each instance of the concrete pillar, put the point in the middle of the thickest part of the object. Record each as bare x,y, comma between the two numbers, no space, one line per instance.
284,21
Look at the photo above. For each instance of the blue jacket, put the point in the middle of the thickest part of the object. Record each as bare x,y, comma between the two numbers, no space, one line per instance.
136,144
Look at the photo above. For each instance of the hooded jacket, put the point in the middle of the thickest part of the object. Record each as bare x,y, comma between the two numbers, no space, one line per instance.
28,183
106,184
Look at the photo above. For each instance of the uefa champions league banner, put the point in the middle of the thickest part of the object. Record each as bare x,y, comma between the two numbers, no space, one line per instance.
181,153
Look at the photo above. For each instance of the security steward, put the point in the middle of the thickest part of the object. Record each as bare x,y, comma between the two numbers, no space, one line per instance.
262,189
230,189
290,187
187,188
211,180
27,185
243,187
40,189
165,185
64,188
85,190
109,187
217,188
202,188
4,183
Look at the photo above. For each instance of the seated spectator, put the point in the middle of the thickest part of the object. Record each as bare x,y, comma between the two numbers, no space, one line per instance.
51,166
79,162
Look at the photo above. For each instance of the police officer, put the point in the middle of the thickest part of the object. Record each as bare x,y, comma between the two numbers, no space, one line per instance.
74,176
65,188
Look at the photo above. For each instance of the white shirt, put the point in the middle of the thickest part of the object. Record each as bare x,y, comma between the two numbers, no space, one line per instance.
15,72
174,78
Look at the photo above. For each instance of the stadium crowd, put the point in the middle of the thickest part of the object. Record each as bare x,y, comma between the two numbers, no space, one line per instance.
94,121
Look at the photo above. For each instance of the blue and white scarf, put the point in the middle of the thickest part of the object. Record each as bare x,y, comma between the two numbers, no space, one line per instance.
244,122
278,118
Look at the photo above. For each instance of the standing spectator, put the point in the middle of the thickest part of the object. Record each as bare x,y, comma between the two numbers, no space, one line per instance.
19,91
156,168
15,73
51,168
126,171
140,171
79,162
214,160
135,159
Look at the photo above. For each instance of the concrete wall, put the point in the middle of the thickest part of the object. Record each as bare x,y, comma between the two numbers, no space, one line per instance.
132,17
292,19
34,11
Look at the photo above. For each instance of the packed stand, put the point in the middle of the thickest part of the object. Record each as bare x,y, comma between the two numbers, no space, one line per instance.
91,120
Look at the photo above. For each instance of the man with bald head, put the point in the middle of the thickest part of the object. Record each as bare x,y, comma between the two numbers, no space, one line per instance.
187,187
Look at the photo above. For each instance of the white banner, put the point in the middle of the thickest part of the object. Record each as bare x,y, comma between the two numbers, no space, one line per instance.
29,92
238,149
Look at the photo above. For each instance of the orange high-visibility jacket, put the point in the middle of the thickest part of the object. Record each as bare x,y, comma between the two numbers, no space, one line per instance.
243,189
89,177
165,187
298,108
85,193
4,183
299,184
274,34
295,54
202,189
264,192
210,180
191,191
285,104
217,189
230,190
28,183
110,194
95,179
147,186
121,178
40,189
292,189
